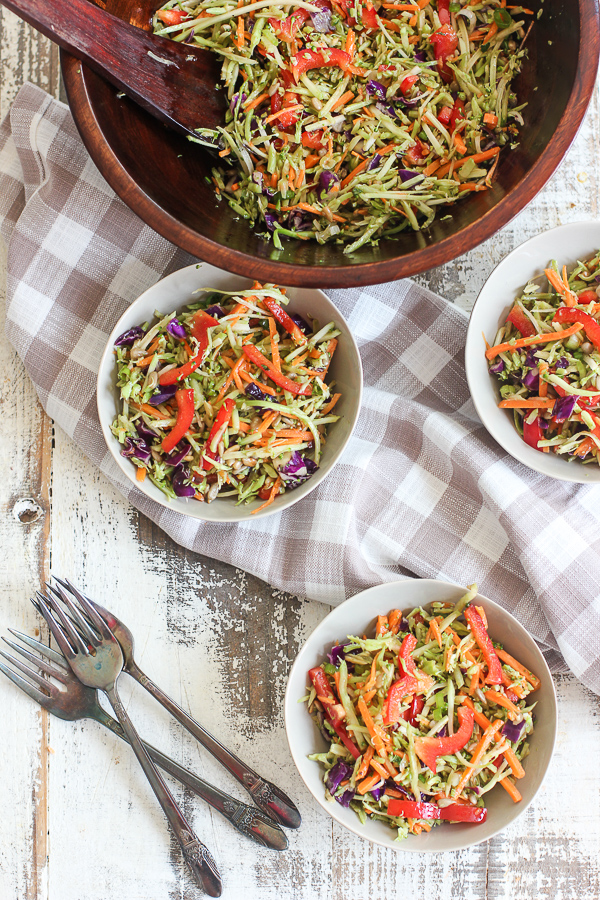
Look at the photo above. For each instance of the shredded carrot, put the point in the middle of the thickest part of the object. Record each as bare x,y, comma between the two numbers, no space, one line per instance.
345,98
365,763
382,625
327,409
394,619
245,376
514,713
561,286
363,165
377,767
272,495
490,119
370,684
368,783
149,410
230,378
514,664
477,157
140,473
535,339
493,31
459,144
350,45
435,630
511,789
480,749
274,342
528,403
474,682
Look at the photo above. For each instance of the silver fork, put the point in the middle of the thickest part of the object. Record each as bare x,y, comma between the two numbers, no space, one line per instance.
95,657
267,796
76,701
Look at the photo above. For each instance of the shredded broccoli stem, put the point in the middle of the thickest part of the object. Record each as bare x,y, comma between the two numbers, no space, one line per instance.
351,122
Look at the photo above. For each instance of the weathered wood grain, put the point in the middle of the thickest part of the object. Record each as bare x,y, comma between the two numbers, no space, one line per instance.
78,820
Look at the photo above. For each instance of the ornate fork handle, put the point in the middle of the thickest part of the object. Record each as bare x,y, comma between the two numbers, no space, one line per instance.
269,798
247,819
197,856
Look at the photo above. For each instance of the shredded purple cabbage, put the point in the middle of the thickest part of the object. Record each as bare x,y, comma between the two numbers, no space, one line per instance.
252,390
176,329
270,221
408,175
497,367
165,392
322,20
301,323
337,774
179,479
176,456
531,380
136,448
374,162
145,432
562,363
129,337
327,180
376,89
216,311
531,359
378,791
298,470
563,407
512,731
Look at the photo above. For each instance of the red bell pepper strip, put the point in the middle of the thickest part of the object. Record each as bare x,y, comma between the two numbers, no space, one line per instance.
399,689
369,17
255,356
445,114
201,322
282,317
217,431
521,321
458,113
313,139
455,812
317,59
288,28
482,638
333,710
172,16
429,748
403,686
185,414
416,707
408,83
417,153
532,433
444,12
287,120
588,296
445,43
567,314
410,809
462,812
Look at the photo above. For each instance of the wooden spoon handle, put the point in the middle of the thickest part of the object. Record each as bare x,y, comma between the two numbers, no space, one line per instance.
173,82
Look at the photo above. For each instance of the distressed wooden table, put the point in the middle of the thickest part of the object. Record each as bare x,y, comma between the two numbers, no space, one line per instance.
78,821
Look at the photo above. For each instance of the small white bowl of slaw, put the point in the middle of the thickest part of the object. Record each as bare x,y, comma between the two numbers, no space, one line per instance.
357,616
173,293
567,244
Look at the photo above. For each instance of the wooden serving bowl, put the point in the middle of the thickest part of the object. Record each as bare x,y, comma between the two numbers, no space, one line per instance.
161,176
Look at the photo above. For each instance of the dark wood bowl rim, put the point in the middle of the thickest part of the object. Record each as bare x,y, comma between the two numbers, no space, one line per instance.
363,273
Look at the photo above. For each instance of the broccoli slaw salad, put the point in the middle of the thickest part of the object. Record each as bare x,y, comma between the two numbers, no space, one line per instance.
227,398
546,358
423,719
350,120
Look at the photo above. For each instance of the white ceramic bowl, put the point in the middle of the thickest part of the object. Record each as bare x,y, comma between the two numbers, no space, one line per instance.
566,244
358,616
173,293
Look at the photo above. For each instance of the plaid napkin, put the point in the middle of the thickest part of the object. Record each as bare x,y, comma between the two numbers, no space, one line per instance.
421,488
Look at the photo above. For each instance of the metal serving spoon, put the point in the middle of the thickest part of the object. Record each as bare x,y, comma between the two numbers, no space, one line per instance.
172,81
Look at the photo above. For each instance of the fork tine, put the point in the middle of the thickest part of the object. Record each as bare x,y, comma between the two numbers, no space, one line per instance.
53,671
29,689
75,637
90,610
33,675
41,648
79,620
54,626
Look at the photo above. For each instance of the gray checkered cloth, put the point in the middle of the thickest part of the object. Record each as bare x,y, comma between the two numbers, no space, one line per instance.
421,489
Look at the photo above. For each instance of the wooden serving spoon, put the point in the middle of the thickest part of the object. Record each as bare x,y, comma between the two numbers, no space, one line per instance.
173,81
